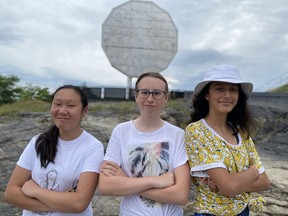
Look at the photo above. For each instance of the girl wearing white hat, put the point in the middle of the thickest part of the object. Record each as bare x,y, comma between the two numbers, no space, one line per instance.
224,165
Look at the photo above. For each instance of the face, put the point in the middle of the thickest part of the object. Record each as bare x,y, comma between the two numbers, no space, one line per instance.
222,97
151,105
67,110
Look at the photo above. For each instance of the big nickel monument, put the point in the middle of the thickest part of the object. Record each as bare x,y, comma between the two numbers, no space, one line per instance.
138,37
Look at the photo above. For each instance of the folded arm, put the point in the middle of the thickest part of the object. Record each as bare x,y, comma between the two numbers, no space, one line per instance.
177,193
261,183
114,182
15,196
231,184
74,202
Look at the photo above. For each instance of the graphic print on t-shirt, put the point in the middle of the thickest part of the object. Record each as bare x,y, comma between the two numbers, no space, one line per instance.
50,181
149,159
51,184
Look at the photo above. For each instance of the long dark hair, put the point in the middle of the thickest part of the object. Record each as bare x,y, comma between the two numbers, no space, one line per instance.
47,142
239,117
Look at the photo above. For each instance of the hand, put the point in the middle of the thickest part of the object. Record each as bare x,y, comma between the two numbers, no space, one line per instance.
109,168
209,182
29,188
165,180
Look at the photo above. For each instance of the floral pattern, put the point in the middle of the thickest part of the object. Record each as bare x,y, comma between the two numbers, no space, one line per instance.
206,149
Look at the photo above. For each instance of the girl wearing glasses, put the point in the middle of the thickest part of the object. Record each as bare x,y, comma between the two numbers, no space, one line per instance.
57,173
146,160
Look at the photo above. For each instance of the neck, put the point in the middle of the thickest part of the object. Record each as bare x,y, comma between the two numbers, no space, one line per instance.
67,136
219,123
224,130
148,125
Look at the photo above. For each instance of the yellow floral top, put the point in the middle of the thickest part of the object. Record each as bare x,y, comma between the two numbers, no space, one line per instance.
206,149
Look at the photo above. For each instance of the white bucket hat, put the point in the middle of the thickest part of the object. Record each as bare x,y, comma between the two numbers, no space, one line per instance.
224,73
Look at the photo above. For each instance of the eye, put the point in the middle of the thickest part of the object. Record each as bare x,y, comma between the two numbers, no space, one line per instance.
157,93
220,89
144,92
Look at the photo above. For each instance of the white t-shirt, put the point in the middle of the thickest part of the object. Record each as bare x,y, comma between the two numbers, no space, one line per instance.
83,154
147,154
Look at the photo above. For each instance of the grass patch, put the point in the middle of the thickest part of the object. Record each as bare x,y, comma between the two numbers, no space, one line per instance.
281,89
123,110
10,111
120,107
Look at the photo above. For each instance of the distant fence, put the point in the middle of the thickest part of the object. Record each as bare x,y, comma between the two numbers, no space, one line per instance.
114,94
96,94
270,98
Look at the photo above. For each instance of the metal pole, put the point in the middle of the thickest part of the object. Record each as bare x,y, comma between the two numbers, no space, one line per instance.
129,85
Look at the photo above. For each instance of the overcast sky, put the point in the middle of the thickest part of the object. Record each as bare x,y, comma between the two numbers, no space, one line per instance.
49,43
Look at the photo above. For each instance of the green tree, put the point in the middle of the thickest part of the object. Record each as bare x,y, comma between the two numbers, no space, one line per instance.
34,92
280,89
9,92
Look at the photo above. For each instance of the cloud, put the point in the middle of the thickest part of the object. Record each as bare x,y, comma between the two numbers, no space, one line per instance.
55,42
9,36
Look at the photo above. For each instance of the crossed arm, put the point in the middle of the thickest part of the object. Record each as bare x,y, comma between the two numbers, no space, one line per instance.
15,196
23,192
172,187
231,184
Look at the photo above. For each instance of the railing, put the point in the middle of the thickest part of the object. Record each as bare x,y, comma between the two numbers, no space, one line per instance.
270,98
97,94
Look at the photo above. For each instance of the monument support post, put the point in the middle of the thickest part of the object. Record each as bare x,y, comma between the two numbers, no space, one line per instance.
129,86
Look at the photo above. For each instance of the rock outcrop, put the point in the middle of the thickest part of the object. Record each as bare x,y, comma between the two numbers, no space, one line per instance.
271,138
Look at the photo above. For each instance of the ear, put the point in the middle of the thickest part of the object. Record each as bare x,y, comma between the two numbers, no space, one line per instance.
85,111
167,96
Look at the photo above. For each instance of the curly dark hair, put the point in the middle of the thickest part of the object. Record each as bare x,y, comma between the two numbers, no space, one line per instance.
240,117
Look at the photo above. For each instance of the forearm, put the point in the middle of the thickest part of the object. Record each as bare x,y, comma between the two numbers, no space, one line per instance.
69,202
231,184
64,201
261,183
170,195
17,198
245,177
123,186
239,181
178,193
114,182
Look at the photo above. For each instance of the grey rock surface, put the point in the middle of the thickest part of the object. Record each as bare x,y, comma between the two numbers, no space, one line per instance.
271,139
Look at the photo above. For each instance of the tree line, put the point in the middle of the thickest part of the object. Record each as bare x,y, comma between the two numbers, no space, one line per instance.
11,92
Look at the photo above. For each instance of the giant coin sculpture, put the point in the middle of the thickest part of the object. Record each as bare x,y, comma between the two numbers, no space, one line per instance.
138,37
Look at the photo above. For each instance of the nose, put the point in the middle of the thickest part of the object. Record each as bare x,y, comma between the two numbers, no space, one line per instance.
63,110
227,94
150,96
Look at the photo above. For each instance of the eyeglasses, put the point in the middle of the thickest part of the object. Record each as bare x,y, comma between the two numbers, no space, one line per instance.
144,93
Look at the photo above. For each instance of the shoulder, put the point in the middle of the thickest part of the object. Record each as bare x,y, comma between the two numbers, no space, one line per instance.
172,127
246,139
91,139
123,125
195,125
34,140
